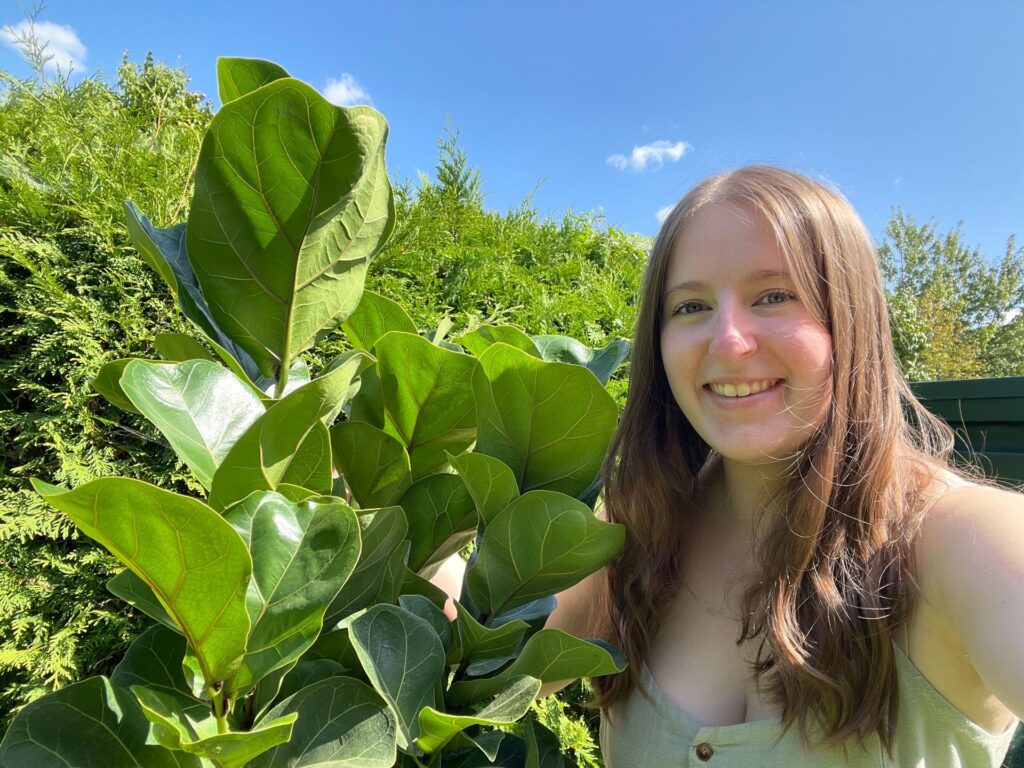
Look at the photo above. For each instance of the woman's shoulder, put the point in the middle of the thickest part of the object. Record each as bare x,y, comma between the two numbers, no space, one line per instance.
970,563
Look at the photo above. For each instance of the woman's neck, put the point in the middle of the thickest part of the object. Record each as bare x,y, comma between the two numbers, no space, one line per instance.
740,495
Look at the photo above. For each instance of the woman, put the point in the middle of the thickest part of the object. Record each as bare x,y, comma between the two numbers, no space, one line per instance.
806,579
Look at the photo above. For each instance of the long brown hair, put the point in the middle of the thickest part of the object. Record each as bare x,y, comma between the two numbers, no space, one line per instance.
836,570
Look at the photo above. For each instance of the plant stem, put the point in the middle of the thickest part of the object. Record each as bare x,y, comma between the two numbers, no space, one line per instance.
221,707
282,382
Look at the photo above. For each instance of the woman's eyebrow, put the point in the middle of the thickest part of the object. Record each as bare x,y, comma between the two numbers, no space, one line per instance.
760,276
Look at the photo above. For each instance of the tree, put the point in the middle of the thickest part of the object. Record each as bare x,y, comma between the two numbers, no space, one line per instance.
954,314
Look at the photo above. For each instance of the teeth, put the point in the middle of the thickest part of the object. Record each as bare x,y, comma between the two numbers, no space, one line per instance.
742,390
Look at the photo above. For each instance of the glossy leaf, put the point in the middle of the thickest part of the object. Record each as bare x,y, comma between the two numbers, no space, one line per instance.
187,554
304,673
427,398
600,362
164,251
550,655
195,731
442,518
179,347
375,316
549,422
381,531
237,76
343,723
438,728
288,444
542,543
302,555
403,658
423,607
374,464
92,723
478,340
481,644
291,201
200,407
489,481
154,660
108,383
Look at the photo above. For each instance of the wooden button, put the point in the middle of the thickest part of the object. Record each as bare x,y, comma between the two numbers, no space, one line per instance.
704,751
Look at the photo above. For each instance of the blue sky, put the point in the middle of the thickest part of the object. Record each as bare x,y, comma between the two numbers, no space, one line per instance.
620,108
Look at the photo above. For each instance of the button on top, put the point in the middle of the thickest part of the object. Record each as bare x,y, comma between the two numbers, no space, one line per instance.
704,751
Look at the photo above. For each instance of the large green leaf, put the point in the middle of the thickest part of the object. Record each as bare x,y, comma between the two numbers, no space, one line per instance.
403,657
550,655
187,554
194,730
382,532
426,609
342,723
200,407
291,201
375,316
542,747
374,464
481,644
279,685
134,591
478,340
550,422
542,543
511,703
237,76
428,399
442,518
302,555
600,362
289,443
92,724
489,481
164,251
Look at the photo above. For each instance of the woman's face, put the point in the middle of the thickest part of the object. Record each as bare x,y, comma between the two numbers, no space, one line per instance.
748,365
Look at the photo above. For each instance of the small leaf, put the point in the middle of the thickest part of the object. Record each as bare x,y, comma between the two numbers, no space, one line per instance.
91,723
200,407
154,660
403,658
237,76
438,728
550,655
133,590
428,399
478,340
179,347
542,543
302,555
490,482
549,422
480,643
375,316
600,362
542,747
108,383
442,519
187,554
342,723
374,464
287,444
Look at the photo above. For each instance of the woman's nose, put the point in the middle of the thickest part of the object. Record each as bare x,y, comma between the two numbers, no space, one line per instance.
732,337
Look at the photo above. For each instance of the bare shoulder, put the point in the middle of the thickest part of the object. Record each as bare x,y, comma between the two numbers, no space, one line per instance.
971,563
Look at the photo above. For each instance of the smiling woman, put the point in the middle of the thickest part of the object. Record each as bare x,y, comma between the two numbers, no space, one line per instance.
799,549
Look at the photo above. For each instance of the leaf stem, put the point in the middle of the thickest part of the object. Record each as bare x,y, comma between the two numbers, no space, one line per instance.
282,382
221,708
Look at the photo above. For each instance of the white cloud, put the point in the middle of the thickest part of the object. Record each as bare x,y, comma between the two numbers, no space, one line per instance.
662,213
654,154
346,91
62,44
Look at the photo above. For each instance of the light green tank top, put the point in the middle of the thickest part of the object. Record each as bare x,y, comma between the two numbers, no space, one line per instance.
930,733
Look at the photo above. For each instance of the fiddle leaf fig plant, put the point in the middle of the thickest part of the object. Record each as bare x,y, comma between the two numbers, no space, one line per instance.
294,622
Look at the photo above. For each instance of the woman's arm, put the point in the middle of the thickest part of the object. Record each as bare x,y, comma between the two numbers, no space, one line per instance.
973,544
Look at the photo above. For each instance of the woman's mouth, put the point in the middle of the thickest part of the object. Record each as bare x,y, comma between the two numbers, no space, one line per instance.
742,389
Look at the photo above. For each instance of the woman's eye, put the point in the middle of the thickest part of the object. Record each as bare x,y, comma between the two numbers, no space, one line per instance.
688,308
777,297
